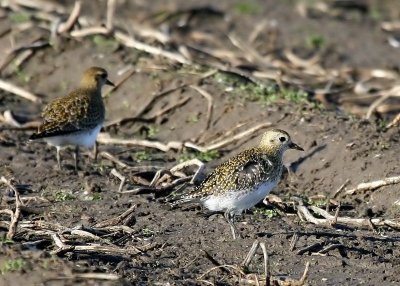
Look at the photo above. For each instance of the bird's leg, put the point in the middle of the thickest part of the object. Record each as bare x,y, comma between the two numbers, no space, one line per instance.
230,217
291,174
58,158
95,151
76,153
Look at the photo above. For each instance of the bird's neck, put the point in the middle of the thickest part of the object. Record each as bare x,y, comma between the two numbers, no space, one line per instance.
272,153
93,91
90,84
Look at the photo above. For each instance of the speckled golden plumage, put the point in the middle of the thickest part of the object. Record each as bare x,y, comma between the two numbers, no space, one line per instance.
246,169
76,114
81,109
245,179
240,173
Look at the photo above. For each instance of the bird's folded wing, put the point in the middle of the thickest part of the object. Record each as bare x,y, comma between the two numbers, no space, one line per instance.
62,117
253,172
50,129
242,172
68,109
243,175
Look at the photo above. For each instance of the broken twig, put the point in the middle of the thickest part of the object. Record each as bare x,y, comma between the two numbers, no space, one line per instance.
373,185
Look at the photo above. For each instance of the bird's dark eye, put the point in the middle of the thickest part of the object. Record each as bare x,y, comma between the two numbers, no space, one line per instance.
282,139
101,75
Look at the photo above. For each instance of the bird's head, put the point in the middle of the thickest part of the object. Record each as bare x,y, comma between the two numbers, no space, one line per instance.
277,141
95,78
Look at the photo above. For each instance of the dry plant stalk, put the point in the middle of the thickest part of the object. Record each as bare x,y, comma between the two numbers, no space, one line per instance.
394,122
394,91
111,5
8,117
193,162
105,138
43,5
292,71
228,141
93,248
144,109
72,19
169,108
133,43
113,159
89,275
210,106
119,176
15,216
99,30
329,219
373,185
118,219
9,87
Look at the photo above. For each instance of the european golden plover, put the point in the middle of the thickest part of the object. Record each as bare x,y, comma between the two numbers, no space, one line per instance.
76,118
244,180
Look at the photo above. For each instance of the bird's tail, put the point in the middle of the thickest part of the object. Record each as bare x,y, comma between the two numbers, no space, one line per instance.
176,199
35,136
181,201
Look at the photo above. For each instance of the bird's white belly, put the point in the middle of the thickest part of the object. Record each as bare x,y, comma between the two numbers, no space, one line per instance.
238,201
85,138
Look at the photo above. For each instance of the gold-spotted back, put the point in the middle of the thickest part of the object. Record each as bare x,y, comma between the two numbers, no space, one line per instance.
82,109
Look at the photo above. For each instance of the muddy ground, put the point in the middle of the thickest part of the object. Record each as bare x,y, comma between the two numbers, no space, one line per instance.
181,246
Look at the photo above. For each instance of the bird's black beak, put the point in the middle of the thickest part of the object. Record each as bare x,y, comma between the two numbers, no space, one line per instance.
295,146
109,83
